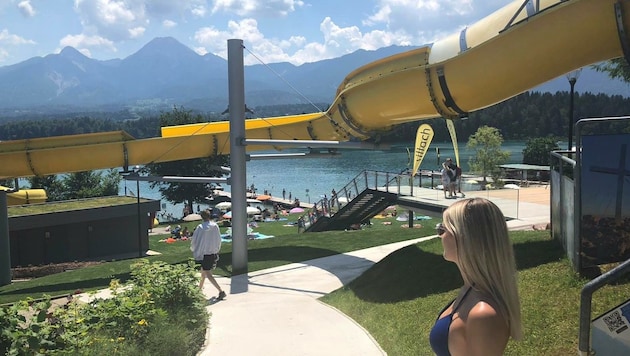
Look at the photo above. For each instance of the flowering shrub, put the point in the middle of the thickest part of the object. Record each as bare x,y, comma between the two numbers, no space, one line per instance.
159,297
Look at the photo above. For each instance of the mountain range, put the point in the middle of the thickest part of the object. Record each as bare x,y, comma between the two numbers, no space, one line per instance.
165,72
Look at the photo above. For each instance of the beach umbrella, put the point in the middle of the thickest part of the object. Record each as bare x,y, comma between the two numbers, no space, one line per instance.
263,197
296,210
472,181
511,186
192,217
252,211
224,205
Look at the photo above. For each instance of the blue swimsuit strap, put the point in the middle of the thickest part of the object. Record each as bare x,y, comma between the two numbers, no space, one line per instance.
461,300
438,336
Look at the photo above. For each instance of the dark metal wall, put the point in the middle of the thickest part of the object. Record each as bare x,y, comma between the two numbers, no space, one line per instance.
80,235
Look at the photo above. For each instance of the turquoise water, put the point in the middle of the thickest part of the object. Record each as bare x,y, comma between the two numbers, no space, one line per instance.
308,179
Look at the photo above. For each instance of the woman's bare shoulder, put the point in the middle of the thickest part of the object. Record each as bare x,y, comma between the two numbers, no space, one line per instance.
486,330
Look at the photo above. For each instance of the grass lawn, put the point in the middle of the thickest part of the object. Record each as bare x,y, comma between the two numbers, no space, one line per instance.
397,300
286,247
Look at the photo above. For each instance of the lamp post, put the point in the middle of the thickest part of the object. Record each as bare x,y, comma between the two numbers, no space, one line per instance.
136,172
572,77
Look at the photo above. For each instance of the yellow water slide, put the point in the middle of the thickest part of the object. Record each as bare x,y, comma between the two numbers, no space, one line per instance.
25,196
518,47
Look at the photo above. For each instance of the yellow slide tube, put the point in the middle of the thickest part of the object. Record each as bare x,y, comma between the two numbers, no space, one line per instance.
512,50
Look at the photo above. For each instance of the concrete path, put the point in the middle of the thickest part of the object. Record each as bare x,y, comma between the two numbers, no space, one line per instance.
276,311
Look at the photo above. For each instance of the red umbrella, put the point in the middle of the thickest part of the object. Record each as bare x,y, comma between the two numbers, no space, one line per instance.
296,210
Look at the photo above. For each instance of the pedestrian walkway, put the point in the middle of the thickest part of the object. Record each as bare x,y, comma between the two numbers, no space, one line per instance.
277,312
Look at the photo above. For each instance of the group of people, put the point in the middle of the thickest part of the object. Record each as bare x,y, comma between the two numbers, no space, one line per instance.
179,233
451,179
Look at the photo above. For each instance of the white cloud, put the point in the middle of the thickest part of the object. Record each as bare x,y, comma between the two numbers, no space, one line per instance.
245,8
425,21
167,8
215,41
26,8
82,43
391,22
10,39
200,51
86,52
169,24
199,11
111,19
136,32
3,54
121,20
336,41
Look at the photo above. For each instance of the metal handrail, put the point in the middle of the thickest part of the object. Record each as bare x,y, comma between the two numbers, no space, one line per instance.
366,179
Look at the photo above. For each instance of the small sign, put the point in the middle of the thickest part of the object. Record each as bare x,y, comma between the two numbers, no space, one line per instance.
611,331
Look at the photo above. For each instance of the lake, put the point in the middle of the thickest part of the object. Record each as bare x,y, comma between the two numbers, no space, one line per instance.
308,179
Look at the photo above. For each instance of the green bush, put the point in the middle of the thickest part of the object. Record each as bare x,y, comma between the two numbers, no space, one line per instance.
161,309
26,329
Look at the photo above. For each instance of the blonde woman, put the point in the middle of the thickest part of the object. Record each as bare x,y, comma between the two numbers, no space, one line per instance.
486,312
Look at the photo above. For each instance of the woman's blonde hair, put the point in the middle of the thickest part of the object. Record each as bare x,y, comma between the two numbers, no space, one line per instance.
485,255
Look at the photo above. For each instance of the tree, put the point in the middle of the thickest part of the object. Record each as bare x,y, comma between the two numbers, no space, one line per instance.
110,183
90,184
617,68
187,193
51,184
486,142
7,183
537,150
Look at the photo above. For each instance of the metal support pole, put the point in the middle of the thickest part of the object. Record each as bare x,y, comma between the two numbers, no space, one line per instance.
238,156
139,221
572,83
5,249
572,77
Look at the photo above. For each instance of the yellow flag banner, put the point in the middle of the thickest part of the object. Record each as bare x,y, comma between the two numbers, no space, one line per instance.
451,130
424,135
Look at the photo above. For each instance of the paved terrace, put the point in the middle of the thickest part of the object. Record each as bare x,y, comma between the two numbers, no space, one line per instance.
522,207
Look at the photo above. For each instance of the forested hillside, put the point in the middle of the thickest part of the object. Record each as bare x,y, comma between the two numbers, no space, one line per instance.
525,116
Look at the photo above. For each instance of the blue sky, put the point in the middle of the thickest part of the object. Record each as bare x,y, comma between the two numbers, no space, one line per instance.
296,31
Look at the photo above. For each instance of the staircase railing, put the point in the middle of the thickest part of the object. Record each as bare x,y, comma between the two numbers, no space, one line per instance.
384,181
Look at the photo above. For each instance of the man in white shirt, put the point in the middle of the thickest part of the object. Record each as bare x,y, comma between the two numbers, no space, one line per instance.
205,246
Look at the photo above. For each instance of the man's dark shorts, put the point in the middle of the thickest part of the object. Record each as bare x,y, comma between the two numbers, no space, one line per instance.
209,262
